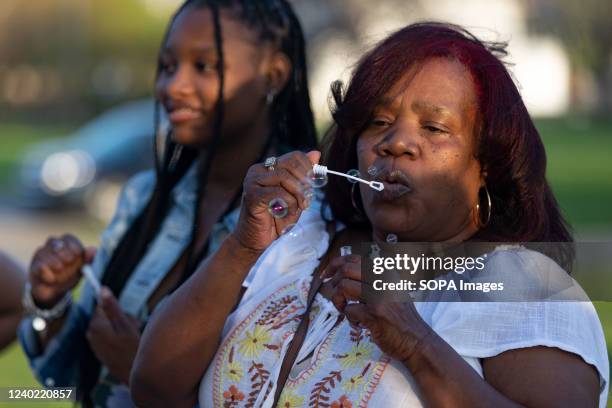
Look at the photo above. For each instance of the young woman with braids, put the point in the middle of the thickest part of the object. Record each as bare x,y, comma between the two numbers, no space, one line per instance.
232,80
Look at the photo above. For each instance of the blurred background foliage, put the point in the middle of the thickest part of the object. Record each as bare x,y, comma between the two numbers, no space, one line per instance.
66,60
585,29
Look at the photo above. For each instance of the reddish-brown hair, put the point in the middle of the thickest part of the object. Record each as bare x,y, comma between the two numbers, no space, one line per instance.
509,146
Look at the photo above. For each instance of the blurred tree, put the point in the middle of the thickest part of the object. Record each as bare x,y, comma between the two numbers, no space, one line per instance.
585,28
67,59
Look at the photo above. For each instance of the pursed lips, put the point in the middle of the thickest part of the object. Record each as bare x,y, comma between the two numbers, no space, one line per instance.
397,184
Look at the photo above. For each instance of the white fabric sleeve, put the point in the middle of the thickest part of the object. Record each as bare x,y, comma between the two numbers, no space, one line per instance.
486,329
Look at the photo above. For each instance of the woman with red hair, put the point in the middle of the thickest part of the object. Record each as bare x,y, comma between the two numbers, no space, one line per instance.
435,112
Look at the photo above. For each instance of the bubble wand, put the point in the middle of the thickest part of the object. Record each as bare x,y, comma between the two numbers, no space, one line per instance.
320,170
88,273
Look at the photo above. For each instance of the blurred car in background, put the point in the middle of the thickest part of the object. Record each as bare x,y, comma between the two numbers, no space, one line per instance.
88,167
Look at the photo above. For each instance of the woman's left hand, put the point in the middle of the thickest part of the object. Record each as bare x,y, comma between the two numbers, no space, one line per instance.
395,327
113,336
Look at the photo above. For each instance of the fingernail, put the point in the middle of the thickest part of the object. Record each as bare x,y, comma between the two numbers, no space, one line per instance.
327,279
105,293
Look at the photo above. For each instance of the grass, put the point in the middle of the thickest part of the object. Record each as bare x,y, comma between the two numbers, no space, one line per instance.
15,372
579,169
16,138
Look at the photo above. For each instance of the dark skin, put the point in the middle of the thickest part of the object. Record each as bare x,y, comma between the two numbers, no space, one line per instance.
13,279
425,130
187,87
435,148
170,344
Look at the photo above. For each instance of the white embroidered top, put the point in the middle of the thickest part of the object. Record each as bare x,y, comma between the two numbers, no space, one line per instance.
340,367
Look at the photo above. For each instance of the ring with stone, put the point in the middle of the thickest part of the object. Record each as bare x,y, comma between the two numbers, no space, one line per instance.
270,163
57,245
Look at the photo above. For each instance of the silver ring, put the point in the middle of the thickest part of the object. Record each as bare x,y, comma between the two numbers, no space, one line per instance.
270,163
57,245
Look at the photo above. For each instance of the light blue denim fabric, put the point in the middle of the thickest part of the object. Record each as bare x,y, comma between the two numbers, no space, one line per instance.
58,365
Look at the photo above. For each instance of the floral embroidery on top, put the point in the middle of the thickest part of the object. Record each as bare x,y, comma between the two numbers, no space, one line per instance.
259,376
232,397
353,383
343,371
254,342
233,370
319,396
290,400
343,402
276,314
358,353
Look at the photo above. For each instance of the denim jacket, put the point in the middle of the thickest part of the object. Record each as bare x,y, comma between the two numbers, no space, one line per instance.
58,365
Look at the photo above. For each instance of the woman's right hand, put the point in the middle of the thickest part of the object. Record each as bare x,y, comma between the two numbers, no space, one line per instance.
257,228
55,268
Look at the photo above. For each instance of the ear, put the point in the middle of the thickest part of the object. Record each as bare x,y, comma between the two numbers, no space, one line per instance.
277,71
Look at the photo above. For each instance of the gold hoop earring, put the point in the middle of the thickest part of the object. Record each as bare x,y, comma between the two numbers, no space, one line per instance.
359,214
478,219
270,97
353,201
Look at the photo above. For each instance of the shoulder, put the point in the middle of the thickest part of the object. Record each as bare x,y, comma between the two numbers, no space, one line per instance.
133,197
552,325
138,186
526,275
519,259
539,303
135,193
524,375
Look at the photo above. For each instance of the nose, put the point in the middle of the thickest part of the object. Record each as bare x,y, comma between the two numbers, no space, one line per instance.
179,84
400,142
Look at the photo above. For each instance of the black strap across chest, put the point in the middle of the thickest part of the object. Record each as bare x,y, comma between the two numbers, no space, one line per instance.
300,333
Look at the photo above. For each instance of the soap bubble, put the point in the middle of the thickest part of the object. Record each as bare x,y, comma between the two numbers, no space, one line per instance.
354,173
316,180
292,231
308,193
374,251
278,207
392,238
346,250
373,171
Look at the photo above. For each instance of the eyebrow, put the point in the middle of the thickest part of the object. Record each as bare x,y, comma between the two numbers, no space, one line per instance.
426,106
194,50
386,102
417,106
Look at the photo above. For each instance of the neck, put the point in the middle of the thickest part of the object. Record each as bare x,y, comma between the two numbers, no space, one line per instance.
233,159
466,230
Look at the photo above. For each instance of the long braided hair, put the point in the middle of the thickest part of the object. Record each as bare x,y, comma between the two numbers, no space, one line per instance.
292,128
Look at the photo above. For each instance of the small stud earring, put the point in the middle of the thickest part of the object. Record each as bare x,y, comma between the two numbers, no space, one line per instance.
270,97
